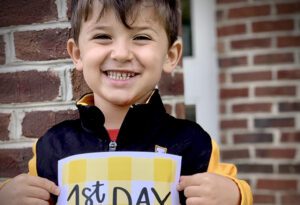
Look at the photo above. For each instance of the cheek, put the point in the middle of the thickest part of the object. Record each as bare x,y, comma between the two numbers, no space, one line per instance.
154,58
94,57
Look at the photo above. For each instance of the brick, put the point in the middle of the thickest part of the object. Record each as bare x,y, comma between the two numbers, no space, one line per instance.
288,41
275,25
223,139
268,59
228,93
4,123
41,45
21,12
222,78
69,11
233,124
288,8
14,161
171,84
289,168
276,153
249,11
275,91
222,108
290,199
233,62
220,14
289,106
288,74
252,76
221,47
28,86
36,123
274,122
235,154
79,85
168,108
253,138
277,184
290,136
2,50
252,107
229,1
251,43
231,30
255,168
263,199
180,110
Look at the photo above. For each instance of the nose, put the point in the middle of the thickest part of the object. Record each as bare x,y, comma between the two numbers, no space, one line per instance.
121,51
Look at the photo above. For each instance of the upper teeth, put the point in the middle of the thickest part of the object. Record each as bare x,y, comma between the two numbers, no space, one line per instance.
119,75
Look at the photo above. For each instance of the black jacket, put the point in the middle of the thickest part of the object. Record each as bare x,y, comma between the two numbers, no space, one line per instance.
144,126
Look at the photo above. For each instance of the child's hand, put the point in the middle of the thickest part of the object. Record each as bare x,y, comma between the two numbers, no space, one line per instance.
25,189
209,189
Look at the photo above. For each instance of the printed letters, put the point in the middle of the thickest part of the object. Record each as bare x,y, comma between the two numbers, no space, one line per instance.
95,195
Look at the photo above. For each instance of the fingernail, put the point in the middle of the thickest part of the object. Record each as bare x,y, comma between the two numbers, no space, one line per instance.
178,187
56,191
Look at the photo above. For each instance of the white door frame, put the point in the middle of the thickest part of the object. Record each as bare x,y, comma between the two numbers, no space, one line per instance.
201,69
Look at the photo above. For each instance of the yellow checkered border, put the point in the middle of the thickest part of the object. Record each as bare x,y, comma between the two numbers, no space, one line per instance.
119,168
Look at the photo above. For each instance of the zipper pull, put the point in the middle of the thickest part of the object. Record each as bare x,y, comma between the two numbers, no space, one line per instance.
112,146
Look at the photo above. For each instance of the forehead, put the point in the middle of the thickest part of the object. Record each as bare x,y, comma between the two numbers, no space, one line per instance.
144,12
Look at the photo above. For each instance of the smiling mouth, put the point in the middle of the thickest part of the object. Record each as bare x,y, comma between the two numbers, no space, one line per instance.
120,75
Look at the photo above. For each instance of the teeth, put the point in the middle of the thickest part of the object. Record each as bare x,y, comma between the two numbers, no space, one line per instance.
119,75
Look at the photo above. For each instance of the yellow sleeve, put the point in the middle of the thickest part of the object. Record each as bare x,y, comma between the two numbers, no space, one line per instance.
230,171
32,162
3,183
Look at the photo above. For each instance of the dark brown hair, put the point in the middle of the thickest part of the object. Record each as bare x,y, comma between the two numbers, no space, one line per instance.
167,12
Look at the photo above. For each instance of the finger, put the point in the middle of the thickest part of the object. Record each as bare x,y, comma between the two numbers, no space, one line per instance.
194,201
23,178
45,184
193,191
34,201
185,181
39,193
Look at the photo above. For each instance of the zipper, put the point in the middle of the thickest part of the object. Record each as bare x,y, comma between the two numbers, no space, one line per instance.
112,146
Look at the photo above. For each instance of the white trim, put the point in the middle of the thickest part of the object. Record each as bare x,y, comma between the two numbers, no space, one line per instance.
201,70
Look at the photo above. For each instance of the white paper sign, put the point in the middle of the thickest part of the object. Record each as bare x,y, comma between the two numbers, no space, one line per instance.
119,178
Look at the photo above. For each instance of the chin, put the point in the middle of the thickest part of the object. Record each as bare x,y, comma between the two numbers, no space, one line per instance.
122,102
123,99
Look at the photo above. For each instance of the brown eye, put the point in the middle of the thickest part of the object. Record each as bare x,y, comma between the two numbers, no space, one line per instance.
142,38
102,37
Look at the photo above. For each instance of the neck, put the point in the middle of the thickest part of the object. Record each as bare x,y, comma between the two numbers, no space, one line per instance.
114,114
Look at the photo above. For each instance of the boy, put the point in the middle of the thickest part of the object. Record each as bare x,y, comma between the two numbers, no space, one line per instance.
122,47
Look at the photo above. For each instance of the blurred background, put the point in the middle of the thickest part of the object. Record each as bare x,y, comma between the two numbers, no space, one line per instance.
239,79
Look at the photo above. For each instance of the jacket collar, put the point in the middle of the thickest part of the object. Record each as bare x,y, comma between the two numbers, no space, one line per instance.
140,117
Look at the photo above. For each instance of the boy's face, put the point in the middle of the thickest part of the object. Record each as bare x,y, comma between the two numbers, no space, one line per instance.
122,66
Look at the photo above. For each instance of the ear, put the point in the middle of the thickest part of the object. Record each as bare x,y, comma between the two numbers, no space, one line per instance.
173,56
74,53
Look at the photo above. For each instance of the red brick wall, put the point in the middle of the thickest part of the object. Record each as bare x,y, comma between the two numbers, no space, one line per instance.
259,60
38,84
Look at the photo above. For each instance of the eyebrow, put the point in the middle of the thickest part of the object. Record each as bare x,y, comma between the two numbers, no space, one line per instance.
136,28
141,28
97,27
